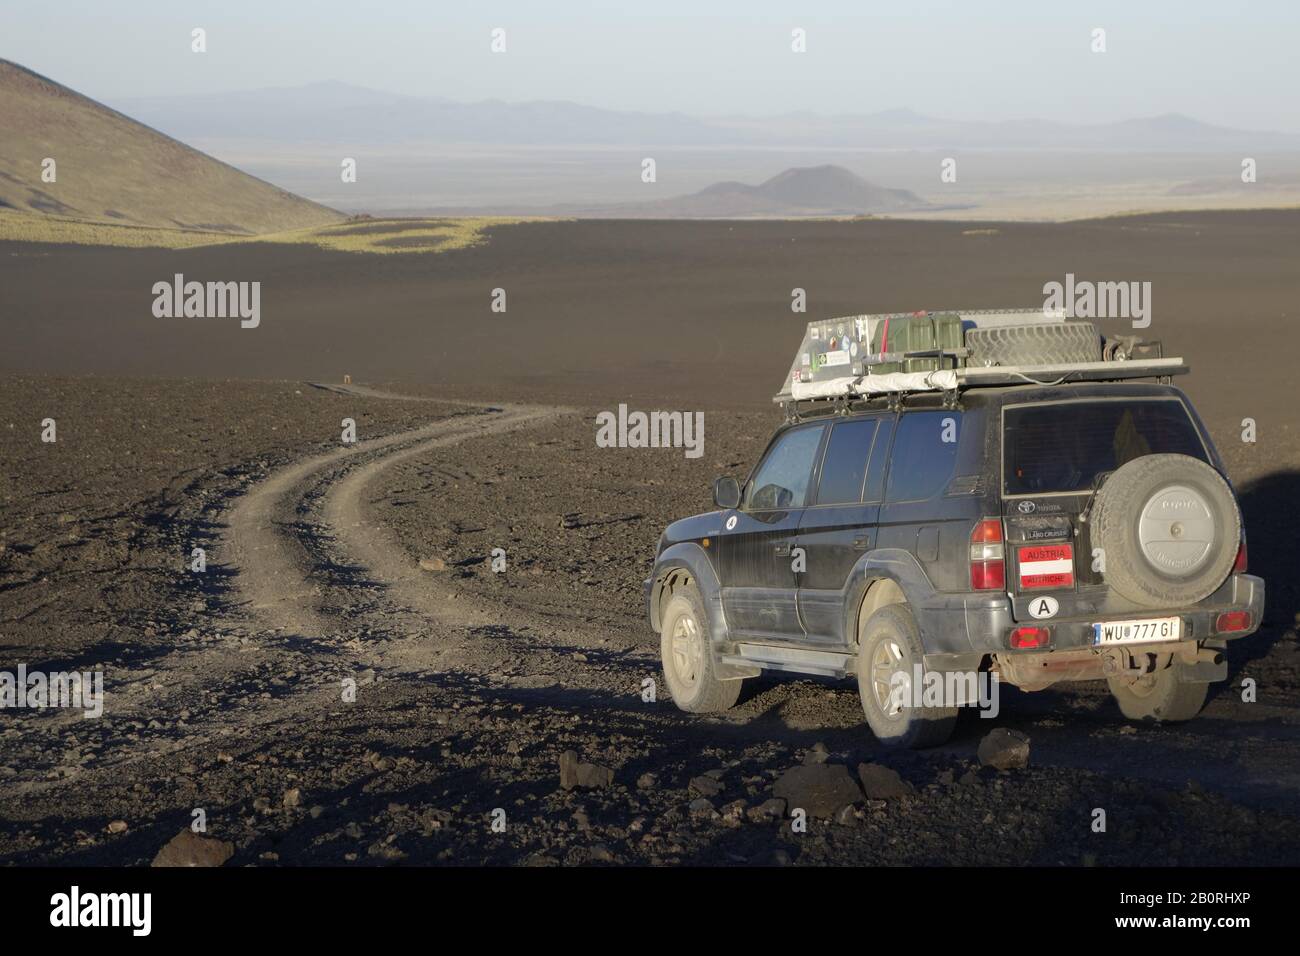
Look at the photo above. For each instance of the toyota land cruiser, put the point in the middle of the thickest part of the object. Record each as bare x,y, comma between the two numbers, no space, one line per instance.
1079,531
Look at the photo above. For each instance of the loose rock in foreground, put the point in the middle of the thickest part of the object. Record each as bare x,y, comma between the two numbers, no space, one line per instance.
575,773
1004,749
820,789
705,786
767,811
883,783
187,848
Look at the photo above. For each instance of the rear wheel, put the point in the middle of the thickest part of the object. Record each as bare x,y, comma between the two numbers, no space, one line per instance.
687,655
1158,695
890,663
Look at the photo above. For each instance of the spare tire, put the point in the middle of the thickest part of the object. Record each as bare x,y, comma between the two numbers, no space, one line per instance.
1168,527
1045,343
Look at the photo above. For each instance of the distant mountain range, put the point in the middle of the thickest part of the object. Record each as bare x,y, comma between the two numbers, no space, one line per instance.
334,113
113,168
794,193
109,168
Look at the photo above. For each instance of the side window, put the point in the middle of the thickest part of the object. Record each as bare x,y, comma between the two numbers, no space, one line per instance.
875,489
845,466
781,481
925,448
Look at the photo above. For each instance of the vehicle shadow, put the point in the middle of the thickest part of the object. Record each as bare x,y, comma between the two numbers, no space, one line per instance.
1272,520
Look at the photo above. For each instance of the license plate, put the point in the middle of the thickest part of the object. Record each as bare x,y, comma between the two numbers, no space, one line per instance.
1138,632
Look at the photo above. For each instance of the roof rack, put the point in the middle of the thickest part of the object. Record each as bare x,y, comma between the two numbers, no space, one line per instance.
960,379
948,362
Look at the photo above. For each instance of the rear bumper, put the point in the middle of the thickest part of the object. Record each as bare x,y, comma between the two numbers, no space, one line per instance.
983,623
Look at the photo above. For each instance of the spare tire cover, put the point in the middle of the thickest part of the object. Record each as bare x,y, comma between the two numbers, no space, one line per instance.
1168,527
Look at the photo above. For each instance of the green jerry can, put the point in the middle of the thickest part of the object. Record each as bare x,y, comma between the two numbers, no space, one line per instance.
894,335
949,336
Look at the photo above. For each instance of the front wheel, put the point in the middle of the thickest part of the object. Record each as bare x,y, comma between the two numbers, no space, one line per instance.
687,657
891,671
1158,695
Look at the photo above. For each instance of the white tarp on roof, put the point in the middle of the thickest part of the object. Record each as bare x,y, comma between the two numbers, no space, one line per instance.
876,384
945,379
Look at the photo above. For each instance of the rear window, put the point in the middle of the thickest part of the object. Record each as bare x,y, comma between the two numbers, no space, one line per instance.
1064,446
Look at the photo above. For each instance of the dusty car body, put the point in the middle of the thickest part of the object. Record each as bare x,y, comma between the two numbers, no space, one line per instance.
1038,532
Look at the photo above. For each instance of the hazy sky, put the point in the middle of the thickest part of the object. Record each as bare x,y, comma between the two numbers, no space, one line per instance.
1231,62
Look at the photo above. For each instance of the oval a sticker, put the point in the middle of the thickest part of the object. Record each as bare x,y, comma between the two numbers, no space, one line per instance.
731,522
1042,608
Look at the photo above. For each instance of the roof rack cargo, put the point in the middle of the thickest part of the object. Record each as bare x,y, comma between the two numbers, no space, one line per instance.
861,356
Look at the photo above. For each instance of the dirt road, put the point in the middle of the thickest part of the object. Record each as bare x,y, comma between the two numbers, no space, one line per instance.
283,575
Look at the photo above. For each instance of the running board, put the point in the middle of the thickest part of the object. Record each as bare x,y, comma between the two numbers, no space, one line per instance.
798,660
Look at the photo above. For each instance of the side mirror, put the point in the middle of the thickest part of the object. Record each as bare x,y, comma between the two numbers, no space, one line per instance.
726,492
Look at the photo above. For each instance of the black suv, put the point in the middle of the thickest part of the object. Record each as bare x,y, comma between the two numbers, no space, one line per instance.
1041,533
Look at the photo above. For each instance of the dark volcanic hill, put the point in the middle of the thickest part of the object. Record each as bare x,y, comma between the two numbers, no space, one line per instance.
109,168
795,193
834,187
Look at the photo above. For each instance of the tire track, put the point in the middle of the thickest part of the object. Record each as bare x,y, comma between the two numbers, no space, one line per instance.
314,561
275,573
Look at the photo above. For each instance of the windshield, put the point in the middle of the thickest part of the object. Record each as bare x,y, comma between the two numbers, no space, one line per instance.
1063,446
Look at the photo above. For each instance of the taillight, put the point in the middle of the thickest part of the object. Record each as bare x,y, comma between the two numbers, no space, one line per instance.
1230,621
1023,637
987,557
1239,566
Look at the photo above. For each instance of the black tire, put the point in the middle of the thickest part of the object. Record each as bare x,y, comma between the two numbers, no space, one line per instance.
686,653
1143,546
1159,696
890,641
1048,343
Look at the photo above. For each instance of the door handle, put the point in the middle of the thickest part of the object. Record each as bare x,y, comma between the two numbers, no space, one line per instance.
782,550
862,542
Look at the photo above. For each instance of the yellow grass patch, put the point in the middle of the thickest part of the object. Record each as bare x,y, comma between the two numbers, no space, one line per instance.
394,236
33,227
377,236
